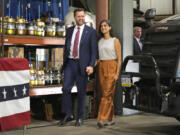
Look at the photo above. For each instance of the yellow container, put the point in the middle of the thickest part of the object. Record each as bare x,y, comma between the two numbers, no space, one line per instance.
10,28
10,31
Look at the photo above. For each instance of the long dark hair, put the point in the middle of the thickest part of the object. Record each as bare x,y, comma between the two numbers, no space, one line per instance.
109,24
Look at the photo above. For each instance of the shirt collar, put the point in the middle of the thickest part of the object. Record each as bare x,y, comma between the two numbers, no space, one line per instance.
81,27
137,38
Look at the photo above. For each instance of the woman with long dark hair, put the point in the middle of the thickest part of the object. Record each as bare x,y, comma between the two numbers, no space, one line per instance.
109,64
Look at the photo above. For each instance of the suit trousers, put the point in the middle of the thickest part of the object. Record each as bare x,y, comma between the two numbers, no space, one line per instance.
72,75
106,71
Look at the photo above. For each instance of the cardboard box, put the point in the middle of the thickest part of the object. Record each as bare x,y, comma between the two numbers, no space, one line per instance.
49,112
16,52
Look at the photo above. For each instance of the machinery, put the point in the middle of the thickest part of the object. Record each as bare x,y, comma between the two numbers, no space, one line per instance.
155,87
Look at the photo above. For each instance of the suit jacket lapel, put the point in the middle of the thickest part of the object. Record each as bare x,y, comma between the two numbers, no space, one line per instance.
85,32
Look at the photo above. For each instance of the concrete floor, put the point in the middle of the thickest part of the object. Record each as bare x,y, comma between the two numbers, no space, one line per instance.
137,124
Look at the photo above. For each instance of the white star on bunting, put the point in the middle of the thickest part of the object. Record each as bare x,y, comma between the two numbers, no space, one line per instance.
24,90
15,92
4,93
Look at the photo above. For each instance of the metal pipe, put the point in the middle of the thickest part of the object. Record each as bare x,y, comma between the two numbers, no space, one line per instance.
101,11
2,34
138,4
173,7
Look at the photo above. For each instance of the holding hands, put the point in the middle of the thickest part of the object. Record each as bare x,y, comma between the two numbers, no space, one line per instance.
89,70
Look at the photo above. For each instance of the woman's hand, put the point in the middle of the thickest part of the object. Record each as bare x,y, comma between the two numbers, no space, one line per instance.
116,77
96,62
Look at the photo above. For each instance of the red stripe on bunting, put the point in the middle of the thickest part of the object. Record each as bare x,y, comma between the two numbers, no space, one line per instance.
12,64
15,121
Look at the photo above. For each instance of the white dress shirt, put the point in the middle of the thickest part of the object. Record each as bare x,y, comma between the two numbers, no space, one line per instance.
73,38
139,42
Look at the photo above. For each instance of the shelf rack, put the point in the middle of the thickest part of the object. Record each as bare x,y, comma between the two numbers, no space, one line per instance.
32,40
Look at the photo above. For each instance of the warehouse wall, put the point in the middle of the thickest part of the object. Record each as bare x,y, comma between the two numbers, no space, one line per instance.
177,2
163,7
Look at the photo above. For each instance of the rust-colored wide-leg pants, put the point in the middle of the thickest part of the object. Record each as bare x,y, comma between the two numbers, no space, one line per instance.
107,70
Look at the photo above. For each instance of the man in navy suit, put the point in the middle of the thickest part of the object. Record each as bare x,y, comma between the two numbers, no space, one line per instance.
80,52
137,44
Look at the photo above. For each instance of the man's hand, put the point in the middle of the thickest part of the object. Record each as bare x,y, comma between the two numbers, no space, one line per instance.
89,70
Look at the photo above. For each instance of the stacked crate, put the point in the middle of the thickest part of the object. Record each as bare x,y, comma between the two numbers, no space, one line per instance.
57,58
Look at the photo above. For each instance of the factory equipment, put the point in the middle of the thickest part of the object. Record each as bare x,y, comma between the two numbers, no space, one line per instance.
157,87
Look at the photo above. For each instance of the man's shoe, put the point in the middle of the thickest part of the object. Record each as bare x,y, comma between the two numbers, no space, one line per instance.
65,120
79,122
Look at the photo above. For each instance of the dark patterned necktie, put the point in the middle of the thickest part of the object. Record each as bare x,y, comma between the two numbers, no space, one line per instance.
76,42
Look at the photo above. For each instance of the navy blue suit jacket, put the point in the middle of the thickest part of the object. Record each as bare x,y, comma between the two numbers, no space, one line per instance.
87,48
